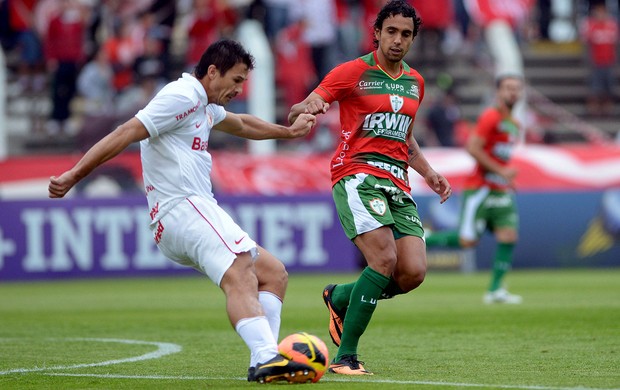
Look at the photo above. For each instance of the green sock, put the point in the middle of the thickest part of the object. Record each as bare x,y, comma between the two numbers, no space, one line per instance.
448,239
341,295
363,302
391,290
501,264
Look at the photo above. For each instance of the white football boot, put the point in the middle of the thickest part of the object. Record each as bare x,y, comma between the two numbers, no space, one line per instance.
501,295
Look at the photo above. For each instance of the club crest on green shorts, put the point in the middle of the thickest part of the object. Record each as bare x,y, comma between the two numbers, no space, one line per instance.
365,202
378,206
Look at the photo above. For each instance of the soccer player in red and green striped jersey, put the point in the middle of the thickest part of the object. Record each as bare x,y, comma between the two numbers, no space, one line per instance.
488,198
378,95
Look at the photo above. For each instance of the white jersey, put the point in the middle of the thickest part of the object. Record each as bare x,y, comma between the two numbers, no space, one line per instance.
175,160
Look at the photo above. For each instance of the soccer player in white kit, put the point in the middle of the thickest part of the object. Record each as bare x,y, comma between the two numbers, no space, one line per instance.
188,225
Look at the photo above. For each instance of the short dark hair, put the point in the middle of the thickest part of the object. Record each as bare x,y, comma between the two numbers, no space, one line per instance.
393,8
499,79
224,54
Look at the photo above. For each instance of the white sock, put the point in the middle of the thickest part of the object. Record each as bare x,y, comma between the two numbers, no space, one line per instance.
257,335
272,306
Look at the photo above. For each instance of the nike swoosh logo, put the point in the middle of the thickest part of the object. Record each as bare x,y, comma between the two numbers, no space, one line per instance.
281,363
237,242
198,124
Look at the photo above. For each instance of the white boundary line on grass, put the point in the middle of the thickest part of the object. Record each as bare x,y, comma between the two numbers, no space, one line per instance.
342,380
163,349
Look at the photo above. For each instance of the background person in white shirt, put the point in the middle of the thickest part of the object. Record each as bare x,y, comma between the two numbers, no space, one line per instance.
188,225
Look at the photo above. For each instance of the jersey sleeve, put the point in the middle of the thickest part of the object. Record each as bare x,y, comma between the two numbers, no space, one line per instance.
165,112
218,112
421,85
339,81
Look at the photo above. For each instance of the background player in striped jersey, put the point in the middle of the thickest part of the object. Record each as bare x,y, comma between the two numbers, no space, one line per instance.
488,199
188,225
378,95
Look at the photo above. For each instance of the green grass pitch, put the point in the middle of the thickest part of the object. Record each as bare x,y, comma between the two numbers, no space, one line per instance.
172,333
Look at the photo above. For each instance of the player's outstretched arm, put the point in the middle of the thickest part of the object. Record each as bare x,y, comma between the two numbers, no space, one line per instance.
252,127
313,104
111,145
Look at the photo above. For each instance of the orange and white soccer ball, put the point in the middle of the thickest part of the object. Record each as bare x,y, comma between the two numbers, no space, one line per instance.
308,349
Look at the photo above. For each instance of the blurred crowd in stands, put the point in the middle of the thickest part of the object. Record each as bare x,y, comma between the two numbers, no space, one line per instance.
102,60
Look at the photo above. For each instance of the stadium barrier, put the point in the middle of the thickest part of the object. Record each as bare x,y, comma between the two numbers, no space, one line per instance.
4,139
80,237
84,238
568,199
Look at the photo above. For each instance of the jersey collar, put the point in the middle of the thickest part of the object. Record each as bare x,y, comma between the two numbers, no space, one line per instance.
198,87
402,70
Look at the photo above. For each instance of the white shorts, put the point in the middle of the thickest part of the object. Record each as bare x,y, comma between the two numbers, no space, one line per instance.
198,233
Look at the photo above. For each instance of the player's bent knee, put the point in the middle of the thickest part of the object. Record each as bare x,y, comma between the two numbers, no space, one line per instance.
418,279
468,243
277,278
271,273
411,281
270,270
507,236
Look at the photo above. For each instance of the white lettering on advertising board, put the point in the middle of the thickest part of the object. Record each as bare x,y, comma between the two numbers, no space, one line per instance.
117,238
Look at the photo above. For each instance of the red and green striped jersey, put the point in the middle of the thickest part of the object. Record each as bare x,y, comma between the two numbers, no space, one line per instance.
376,116
500,133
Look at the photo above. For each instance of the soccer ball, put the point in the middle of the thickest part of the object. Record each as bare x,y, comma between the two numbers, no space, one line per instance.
308,349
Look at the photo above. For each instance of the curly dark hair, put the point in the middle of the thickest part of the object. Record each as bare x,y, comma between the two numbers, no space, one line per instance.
393,8
224,54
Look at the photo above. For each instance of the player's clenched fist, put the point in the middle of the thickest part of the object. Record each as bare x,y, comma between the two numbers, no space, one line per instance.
302,125
316,106
59,186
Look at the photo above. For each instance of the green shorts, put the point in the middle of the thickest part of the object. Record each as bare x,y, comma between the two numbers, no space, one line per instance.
365,202
485,209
